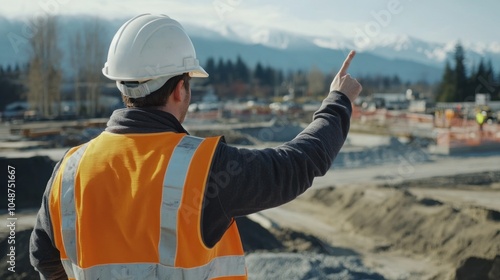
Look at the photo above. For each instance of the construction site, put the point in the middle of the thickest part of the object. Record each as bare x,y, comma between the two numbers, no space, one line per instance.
410,196
394,175
447,128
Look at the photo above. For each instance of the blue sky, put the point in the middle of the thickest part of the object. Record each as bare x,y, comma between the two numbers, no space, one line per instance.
438,21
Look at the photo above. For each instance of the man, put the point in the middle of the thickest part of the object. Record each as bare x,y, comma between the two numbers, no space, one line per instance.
144,200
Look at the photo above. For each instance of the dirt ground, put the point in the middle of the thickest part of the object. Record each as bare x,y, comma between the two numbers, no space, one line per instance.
417,229
413,220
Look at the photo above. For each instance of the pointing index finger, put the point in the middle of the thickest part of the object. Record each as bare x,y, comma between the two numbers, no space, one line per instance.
347,62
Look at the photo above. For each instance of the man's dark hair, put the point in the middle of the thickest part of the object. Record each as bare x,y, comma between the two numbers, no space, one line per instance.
159,97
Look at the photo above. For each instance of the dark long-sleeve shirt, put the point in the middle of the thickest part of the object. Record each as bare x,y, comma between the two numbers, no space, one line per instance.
241,181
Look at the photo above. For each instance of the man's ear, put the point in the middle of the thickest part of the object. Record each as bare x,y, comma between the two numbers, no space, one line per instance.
177,93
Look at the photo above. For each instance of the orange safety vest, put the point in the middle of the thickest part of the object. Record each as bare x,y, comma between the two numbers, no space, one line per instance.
129,206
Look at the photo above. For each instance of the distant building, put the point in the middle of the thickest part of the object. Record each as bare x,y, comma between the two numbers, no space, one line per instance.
421,106
391,101
482,99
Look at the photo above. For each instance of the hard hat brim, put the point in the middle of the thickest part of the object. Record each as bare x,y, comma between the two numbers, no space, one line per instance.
198,73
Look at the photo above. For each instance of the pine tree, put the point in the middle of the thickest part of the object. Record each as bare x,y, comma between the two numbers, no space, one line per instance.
460,75
396,81
454,86
492,84
221,69
269,78
212,70
259,74
446,89
229,71
241,70
477,78
489,72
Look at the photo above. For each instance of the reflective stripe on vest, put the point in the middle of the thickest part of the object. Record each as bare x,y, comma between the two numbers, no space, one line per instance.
173,185
174,181
68,209
217,267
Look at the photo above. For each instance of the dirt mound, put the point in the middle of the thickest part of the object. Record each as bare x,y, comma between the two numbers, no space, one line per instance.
447,233
256,238
282,253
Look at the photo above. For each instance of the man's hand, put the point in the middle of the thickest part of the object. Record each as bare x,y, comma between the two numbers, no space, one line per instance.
344,83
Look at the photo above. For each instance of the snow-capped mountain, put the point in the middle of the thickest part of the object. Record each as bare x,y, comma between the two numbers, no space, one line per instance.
388,46
251,35
410,58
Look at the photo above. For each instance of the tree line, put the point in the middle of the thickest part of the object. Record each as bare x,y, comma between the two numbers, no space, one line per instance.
230,79
236,79
458,84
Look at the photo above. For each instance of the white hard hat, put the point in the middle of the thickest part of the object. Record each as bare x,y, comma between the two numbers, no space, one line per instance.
150,49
